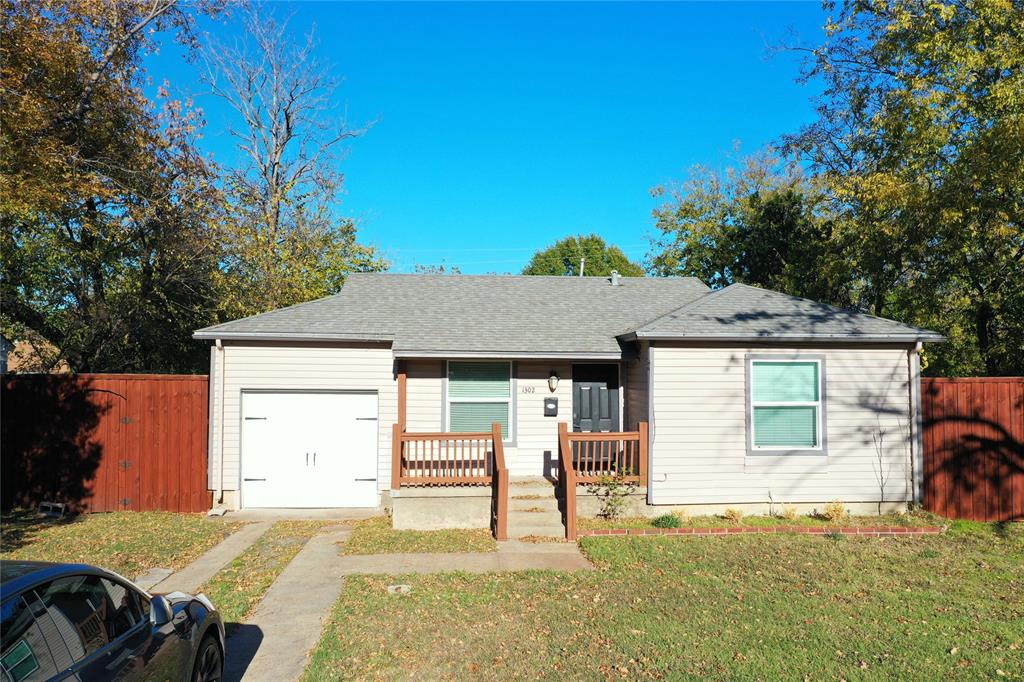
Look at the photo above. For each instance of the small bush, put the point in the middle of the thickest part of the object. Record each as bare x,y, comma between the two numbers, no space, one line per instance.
613,493
667,521
734,515
789,512
834,511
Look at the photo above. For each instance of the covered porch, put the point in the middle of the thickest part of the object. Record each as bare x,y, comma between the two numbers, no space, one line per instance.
455,478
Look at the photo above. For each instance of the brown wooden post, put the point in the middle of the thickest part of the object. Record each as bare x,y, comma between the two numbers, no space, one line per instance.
402,394
396,455
567,478
642,473
501,484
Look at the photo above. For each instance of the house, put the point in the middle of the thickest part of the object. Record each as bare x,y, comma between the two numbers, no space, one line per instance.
426,394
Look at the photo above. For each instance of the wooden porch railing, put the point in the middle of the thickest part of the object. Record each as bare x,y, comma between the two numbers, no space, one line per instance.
499,514
585,457
458,458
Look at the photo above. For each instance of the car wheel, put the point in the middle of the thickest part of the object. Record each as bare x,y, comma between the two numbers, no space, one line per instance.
209,663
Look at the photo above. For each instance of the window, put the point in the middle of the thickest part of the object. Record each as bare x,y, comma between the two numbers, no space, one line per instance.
785,399
479,394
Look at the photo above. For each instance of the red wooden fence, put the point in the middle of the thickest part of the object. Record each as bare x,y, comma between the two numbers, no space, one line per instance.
974,447
106,442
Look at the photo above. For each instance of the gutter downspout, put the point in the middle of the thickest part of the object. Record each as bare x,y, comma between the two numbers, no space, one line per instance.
916,423
220,424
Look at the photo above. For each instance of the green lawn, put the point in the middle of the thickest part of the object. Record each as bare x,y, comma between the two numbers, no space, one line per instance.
740,607
915,519
129,543
376,536
238,587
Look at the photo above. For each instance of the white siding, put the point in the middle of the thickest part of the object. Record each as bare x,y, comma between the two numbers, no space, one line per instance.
699,452
310,367
535,435
424,390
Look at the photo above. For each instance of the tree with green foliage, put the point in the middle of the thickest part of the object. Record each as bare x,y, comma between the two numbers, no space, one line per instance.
913,203
920,141
762,224
107,208
563,258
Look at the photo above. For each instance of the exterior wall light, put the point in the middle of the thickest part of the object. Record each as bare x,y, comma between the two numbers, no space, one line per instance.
553,381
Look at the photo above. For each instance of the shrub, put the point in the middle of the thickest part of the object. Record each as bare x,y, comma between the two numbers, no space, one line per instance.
667,521
612,491
734,515
835,511
789,512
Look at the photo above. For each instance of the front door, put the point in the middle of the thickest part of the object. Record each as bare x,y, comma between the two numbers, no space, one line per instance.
595,398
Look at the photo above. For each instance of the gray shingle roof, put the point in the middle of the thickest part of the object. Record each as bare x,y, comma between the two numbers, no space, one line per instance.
740,312
475,314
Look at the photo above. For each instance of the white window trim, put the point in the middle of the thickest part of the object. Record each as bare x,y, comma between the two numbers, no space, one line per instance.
509,400
820,415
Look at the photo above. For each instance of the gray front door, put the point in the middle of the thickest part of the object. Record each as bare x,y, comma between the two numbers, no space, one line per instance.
595,398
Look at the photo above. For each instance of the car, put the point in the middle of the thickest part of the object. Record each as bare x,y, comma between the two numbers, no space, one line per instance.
82,623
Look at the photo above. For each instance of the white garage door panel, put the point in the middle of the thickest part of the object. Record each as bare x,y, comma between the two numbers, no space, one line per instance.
309,450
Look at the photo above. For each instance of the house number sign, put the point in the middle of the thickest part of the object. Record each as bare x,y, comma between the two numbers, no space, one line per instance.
529,389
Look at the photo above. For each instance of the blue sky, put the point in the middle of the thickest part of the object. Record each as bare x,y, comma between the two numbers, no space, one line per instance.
501,127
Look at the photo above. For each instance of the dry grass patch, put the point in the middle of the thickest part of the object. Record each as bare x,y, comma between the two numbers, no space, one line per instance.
128,543
376,536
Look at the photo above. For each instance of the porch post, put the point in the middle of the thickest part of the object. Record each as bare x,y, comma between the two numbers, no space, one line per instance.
396,455
642,473
402,393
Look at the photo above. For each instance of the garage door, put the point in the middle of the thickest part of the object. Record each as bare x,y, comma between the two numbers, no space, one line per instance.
309,450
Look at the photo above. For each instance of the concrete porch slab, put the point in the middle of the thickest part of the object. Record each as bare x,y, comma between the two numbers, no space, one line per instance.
327,514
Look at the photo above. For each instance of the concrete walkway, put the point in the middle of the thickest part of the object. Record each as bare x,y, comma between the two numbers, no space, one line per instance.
272,514
190,578
274,643
511,556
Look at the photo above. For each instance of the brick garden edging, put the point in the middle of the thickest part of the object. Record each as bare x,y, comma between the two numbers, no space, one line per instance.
865,531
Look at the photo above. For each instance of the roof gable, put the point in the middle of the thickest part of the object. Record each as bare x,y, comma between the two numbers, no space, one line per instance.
741,311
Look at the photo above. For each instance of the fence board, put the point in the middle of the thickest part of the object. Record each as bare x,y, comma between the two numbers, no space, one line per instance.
974,447
106,442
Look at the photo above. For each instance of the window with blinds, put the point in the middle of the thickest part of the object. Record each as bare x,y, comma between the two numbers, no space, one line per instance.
479,394
785,403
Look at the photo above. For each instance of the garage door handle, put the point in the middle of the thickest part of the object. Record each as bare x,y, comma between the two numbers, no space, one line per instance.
255,419
366,419
254,479
366,479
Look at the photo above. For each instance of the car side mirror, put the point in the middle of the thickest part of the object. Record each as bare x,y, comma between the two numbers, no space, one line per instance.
160,612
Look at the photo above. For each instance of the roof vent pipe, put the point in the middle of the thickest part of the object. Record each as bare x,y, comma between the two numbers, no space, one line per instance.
615,278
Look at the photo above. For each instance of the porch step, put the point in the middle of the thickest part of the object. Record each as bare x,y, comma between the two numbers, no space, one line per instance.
545,504
531,486
545,523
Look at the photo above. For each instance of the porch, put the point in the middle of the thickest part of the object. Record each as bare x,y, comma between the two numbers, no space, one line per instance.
461,479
